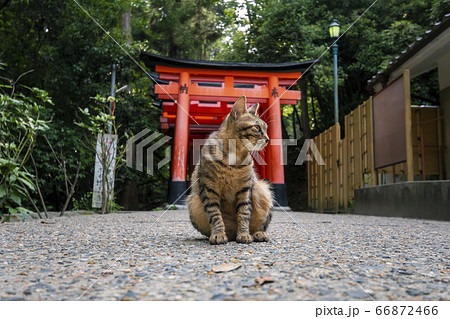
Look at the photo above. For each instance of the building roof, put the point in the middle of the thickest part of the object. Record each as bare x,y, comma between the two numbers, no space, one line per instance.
152,59
425,63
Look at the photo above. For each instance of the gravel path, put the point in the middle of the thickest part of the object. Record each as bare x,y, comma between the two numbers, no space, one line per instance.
146,256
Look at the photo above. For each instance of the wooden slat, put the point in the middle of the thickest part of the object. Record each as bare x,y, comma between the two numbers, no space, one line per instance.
370,156
309,175
345,170
359,183
351,149
321,183
408,126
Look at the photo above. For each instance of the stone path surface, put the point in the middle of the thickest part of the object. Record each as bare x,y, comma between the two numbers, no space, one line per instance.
156,256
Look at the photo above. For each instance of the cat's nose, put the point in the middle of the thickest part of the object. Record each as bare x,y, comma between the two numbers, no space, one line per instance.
267,141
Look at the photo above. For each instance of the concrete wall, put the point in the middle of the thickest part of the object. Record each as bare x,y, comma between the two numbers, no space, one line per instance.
425,200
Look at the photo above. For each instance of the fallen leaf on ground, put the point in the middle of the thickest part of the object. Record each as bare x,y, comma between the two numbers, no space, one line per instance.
125,270
264,280
275,291
225,267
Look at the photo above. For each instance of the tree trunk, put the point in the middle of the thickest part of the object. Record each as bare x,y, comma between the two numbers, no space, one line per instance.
126,26
284,132
304,110
298,120
294,126
72,190
316,127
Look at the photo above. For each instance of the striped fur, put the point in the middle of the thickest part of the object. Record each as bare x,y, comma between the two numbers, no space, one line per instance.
227,201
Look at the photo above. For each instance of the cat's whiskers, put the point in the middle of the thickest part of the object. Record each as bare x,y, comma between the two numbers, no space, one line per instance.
269,122
267,119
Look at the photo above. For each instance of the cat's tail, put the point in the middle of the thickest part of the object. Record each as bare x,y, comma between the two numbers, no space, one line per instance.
262,194
262,201
197,215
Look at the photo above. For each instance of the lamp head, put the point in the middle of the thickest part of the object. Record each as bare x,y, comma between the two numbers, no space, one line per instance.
334,29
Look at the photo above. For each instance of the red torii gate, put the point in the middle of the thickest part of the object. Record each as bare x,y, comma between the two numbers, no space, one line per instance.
205,92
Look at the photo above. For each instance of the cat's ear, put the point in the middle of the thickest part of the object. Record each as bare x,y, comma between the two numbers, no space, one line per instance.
239,108
254,109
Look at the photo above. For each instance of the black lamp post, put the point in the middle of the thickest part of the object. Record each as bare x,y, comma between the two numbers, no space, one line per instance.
334,33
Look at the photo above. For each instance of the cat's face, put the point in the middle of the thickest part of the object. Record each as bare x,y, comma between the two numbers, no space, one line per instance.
247,126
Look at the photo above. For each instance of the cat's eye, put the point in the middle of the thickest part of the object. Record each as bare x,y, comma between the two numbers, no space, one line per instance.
257,128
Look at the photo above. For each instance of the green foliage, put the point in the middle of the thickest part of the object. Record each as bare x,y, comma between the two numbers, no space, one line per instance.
84,203
14,189
182,29
97,117
114,207
71,57
351,204
20,124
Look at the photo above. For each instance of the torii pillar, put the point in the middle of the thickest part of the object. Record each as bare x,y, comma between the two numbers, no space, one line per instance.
276,168
178,183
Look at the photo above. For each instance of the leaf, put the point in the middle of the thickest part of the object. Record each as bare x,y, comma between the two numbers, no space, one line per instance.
12,178
24,215
16,199
264,280
24,210
225,267
27,182
5,161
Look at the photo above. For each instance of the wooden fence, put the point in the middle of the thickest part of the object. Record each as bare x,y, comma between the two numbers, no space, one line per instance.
349,162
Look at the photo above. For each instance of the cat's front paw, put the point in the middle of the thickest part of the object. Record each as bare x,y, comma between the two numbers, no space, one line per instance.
260,236
217,239
244,238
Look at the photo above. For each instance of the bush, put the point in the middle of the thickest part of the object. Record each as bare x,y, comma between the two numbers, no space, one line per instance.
20,124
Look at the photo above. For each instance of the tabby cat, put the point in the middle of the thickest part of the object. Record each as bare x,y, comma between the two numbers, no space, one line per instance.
227,201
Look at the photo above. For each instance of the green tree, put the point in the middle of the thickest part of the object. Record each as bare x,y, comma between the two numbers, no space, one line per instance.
180,28
72,60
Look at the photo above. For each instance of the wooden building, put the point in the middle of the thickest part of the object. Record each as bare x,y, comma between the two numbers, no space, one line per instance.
394,158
